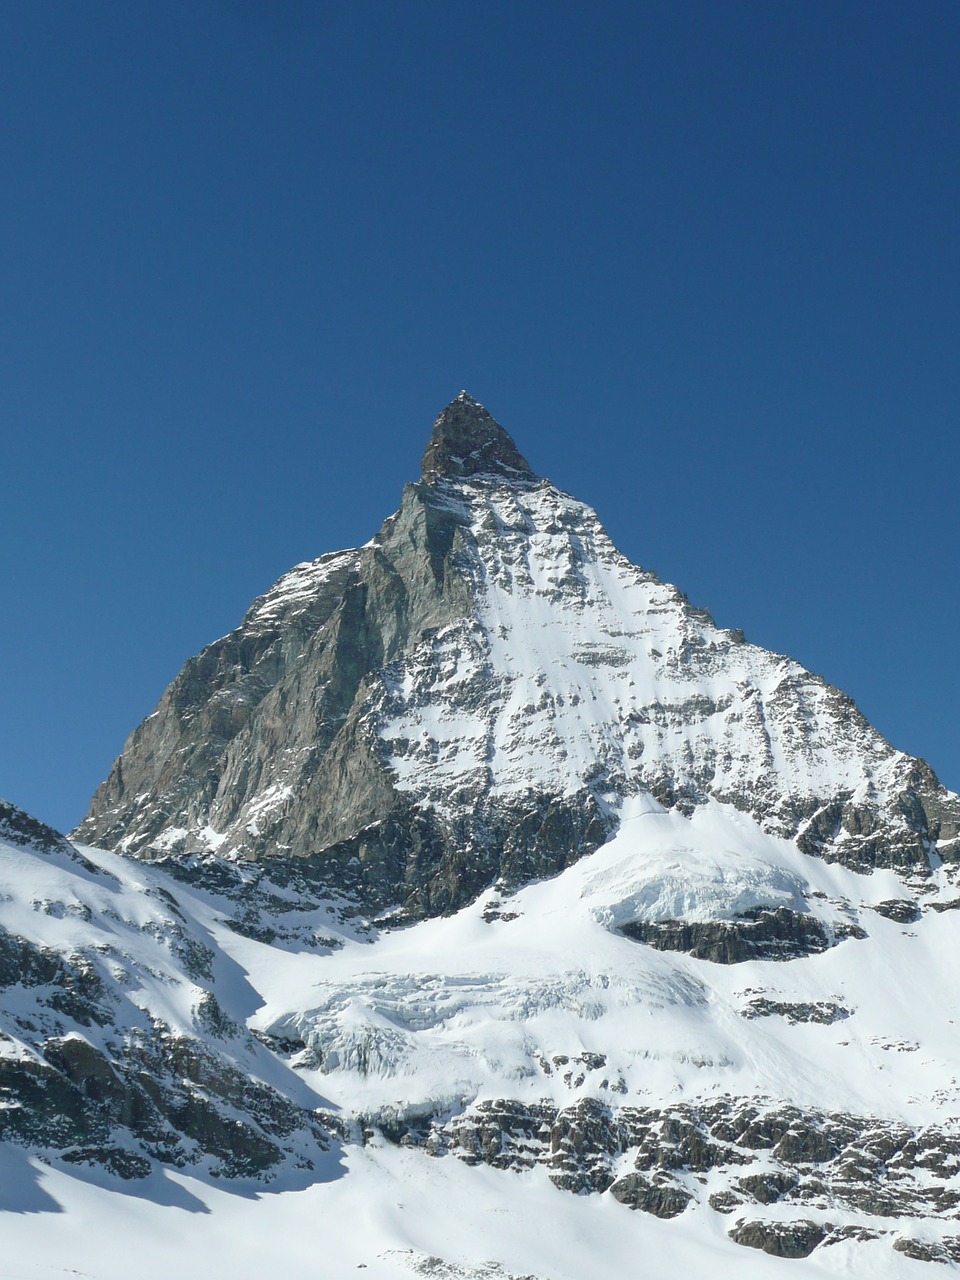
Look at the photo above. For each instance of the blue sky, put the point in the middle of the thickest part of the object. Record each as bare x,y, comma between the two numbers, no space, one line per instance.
701,259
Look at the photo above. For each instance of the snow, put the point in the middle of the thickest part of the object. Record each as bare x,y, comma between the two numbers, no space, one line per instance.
392,1212
294,593
454,1010
576,659
457,1007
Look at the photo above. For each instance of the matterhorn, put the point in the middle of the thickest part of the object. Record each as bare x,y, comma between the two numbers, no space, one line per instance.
479,908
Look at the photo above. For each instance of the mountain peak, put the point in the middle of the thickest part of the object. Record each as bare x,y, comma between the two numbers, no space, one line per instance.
468,441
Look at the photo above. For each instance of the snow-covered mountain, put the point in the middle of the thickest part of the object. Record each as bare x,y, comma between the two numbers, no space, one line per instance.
477,868
476,693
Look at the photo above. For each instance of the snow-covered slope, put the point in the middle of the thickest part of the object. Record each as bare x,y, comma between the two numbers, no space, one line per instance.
115,1049
479,1068
578,669
480,1004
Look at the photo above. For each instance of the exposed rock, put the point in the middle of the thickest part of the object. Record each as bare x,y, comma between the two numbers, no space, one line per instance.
42,1108
767,1188
664,1199
824,1012
75,988
116,1160
179,1102
781,934
946,1250
902,910
725,1201
805,1143
782,1239
24,962
386,733
21,828
856,1232
818,1161
466,441
438,1268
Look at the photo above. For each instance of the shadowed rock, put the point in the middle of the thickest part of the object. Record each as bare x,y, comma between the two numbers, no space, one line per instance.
781,1239
468,441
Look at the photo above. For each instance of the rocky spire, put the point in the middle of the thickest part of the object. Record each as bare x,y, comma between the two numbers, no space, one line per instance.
467,441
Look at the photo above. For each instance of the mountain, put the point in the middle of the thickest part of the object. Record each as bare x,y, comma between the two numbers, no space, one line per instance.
475,892
475,694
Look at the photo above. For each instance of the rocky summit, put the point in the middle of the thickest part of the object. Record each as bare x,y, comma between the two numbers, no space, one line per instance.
475,866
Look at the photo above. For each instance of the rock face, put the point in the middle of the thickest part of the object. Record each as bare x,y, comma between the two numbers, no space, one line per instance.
782,1239
471,698
780,934
807,1161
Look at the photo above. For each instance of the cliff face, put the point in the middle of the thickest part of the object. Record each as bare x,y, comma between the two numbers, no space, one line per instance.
473,695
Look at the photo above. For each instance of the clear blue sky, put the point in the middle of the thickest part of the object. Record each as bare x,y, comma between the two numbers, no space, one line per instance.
701,259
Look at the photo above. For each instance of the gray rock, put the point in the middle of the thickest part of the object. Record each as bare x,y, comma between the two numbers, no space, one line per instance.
725,1201
780,934
466,441
116,1160
823,1161
767,1188
782,1239
664,1200
946,1250
902,910
21,828
824,1012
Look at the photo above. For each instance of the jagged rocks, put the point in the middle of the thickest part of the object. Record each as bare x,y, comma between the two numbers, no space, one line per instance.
678,1140
178,1101
437,1268
945,1250
781,934
116,1160
575,1144
902,910
70,983
582,1139
662,1199
21,828
782,1239
724,1201
767,1188
22,961
42,1108
467,441
823,1012
472,702
88,1073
